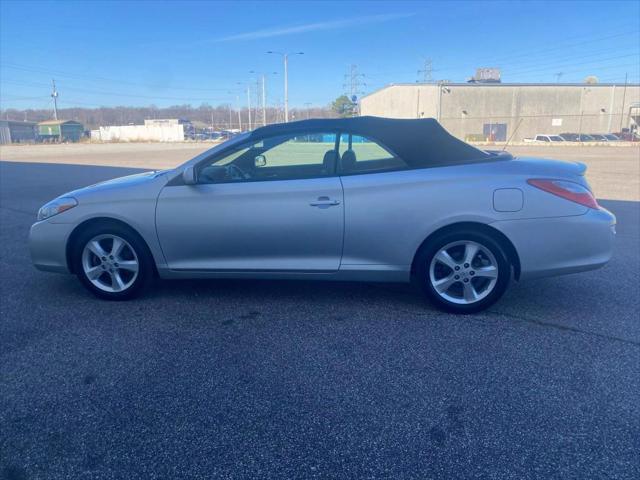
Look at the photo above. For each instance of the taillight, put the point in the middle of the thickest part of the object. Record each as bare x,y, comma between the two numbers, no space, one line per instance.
568,190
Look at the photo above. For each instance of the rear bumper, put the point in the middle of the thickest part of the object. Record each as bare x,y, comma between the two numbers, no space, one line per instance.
48,246
561,245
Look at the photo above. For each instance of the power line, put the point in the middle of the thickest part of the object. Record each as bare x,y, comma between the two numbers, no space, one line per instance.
604,68
525,55
121,94
576,64
17,66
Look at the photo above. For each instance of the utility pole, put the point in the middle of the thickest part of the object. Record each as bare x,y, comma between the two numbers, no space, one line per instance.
230,117
558,76
239,113
285,57
624,97
426,71
264,121
308,106
54,94
263,78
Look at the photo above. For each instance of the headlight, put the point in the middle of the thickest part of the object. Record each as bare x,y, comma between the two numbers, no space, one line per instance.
56,206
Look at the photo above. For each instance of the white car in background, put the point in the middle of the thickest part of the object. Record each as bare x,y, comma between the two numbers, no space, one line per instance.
544,138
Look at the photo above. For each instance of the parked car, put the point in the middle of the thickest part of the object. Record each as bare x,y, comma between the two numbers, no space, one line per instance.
364,199
628,136
545,139
569,137
598,137
575,137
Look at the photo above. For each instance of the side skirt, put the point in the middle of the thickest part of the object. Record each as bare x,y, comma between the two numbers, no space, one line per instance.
347,273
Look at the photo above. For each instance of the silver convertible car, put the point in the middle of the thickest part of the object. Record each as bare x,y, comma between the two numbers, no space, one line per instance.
363,199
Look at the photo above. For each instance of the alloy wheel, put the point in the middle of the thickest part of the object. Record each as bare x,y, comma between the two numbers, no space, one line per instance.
110,263
463,272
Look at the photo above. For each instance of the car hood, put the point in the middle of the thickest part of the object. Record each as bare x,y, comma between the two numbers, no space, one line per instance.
120,183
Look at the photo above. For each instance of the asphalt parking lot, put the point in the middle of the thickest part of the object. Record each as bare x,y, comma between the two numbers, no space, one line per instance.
265,379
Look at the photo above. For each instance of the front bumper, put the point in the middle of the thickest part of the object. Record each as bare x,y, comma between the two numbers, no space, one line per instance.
48,246
561,245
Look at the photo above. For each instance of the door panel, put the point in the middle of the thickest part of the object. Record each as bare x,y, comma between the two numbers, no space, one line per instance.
253,226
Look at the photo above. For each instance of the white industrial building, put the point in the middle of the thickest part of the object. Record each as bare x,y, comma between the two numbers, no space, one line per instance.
155,130
499,111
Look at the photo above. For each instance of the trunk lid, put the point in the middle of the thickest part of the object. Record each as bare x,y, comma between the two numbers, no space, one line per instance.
552,169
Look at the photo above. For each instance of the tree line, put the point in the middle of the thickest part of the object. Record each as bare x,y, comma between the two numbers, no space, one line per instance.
218,117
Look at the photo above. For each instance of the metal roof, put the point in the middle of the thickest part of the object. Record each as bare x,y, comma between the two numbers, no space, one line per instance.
497,85
16,122
58,122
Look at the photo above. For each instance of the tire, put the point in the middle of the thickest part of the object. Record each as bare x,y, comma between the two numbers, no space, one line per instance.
453,283
112,261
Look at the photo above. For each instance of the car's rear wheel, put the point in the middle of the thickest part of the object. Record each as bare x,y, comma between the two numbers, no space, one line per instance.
112,262
463,272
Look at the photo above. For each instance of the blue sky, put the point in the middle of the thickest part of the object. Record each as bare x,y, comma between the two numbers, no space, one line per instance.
168,53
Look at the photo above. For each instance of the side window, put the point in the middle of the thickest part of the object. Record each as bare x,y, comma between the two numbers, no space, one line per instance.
359,154
284,157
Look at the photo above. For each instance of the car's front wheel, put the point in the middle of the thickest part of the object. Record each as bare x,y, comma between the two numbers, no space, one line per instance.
112,262
463,272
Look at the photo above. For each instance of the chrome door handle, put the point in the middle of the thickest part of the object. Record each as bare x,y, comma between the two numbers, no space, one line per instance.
324,202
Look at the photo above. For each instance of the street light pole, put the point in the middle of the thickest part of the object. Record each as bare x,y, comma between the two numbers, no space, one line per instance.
285,57
286,87
264,103
249,106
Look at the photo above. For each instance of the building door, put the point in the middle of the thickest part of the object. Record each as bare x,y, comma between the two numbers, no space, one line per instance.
495,132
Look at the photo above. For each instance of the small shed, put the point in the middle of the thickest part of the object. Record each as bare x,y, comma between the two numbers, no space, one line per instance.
60,131
12,131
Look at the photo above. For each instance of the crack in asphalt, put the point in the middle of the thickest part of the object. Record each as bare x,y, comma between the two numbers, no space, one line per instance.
542,323
31,214
533,321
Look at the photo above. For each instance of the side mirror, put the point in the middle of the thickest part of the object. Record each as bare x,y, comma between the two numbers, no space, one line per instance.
189,175
260,161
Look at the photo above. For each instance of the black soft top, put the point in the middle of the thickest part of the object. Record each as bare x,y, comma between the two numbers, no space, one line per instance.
419,142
